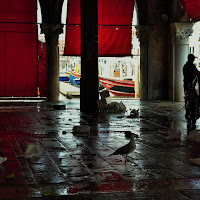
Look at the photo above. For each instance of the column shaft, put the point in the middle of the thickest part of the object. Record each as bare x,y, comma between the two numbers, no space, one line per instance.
52,59
143,34
52,72
183,31
89,93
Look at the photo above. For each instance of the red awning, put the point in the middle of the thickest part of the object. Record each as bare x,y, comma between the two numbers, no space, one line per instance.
192,7
114,20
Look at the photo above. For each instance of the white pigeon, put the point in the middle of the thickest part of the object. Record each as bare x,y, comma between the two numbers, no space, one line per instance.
195,161
32,150
128,148
2,159
173,135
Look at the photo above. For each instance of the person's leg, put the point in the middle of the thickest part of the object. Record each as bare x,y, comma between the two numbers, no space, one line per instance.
188,116
193,107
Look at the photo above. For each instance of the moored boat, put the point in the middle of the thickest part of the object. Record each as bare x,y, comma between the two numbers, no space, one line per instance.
114,86
119,87
74,79
64,76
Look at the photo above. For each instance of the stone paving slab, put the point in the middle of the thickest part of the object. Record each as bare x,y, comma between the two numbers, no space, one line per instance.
80,166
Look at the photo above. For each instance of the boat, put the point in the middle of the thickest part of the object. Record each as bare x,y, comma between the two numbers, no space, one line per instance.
64,76
119,87
114,86
74,78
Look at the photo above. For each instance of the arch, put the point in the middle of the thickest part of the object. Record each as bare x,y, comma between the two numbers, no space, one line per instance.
149,9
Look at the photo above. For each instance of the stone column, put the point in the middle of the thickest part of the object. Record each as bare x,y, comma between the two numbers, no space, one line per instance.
182,33
89,88
52,59
143,35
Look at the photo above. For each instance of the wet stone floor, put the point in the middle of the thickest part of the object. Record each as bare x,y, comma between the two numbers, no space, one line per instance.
79,166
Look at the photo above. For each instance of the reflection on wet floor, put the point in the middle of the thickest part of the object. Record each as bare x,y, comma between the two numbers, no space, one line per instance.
80,166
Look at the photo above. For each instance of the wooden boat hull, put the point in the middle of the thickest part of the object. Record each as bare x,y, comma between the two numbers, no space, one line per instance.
74,79
114,86
64,76
119,87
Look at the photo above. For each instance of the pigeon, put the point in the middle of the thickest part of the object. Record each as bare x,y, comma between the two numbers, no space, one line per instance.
128,148
195,161
32,150
127,134
2,159
69,97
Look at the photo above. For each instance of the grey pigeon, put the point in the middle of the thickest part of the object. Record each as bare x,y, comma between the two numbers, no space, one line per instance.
128,148
69,97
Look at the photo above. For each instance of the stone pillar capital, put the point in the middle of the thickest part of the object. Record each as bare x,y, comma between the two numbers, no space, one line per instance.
181,32
142,33
51,32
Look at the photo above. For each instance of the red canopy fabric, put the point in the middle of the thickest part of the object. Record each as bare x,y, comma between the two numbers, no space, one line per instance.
192,7
18,11
114,20
18,48
2,64
21,66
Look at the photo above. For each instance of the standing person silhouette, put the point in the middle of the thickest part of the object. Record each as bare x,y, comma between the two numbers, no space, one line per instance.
190,75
